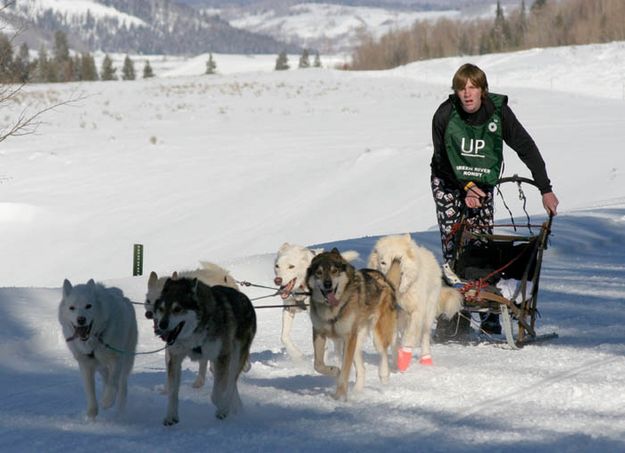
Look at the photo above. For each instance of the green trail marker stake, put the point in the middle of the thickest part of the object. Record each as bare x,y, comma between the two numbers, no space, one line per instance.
137,260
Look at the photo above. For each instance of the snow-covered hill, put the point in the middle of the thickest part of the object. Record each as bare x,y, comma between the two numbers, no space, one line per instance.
146,26
327,27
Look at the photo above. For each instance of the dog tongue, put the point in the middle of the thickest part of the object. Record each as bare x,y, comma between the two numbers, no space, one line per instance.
332,300
286,291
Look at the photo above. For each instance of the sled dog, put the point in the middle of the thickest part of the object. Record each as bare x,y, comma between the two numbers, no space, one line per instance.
416,276
290,268
209,273
100,329
346,304
215,323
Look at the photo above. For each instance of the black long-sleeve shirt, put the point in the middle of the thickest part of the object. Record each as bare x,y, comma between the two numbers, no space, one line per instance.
514,135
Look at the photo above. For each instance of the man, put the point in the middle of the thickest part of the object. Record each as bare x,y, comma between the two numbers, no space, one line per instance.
468,132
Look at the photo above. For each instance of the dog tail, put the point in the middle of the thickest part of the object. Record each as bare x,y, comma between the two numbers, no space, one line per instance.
449,302
350,255
217,275
394,273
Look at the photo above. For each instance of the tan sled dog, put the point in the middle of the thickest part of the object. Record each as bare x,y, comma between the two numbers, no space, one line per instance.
210,274
346,304
416,276
290,268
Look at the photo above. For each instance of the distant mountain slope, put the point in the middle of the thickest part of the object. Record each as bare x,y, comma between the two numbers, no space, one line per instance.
332,26
327,27
136,26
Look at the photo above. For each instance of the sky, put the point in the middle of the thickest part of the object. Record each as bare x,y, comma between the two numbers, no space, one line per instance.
226,168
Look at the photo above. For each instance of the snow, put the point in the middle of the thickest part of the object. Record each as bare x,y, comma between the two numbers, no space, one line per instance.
226,168
314,20
76,9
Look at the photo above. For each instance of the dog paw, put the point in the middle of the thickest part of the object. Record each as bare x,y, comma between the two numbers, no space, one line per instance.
199,383
170,420
340,395
221,414
331,371
91,413
109,397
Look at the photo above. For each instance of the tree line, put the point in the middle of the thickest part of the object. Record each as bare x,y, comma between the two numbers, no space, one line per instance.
546,23
59,65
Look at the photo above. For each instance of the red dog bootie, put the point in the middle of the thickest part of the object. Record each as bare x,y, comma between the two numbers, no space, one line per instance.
404,356
426,360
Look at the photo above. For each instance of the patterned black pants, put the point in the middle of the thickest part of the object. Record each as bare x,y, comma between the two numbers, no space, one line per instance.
449,209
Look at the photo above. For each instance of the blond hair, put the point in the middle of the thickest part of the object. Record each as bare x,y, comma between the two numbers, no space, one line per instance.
470,72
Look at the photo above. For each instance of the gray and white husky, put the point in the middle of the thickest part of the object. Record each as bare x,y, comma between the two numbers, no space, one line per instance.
100,329
215,323
211,274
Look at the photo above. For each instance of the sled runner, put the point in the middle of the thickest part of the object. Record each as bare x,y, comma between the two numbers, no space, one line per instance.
500,267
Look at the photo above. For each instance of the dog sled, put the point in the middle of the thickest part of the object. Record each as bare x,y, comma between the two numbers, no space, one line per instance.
500,267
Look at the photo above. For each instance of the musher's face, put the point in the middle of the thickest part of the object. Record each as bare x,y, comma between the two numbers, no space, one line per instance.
470,97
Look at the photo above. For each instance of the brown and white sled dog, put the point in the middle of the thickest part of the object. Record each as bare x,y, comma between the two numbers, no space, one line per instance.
215,323
346,304
100,329
416,276
209,273
290,268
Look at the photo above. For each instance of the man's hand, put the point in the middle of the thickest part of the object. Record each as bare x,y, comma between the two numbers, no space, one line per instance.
550,202
474,196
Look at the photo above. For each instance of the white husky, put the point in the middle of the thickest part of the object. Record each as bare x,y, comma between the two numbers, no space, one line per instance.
100,329
417,278
290,268
210,274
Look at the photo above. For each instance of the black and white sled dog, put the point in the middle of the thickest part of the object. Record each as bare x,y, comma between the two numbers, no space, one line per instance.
215,323
290,268
210,274
100,329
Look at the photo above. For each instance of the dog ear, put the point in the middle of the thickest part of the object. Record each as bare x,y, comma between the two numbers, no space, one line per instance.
91,284
174,275
335,251
67,288
283,247
152,280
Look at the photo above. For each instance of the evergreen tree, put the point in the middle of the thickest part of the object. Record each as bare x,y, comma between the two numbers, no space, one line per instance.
61,48
147,70
128,70
500,34
62,63
88,68
107,72
6,60
22,64
304,60
40,65
77,67
211,66
282,62
317,62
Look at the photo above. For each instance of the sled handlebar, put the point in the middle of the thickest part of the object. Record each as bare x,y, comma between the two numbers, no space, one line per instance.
517,179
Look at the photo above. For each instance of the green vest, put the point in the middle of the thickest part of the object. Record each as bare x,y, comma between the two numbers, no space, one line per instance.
476,152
